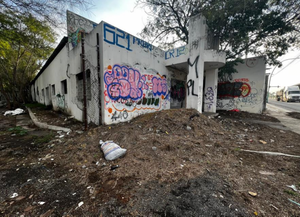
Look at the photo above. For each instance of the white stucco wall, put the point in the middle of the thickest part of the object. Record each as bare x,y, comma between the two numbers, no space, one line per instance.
53,75
66,66
197,41
210,90
134,77
243,90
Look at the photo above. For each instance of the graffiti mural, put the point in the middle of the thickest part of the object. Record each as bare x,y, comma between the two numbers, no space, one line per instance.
59,102
239,94
125,83
118,37
173,53
177,93
128,92
77,24
209,97
233,90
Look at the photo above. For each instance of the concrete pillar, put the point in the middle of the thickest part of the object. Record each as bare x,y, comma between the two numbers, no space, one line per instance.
197,40
210,90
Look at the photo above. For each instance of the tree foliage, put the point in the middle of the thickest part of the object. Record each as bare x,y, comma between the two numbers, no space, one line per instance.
25,43
52,11
258,27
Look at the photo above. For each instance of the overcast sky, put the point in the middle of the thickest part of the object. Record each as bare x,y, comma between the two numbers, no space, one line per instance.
120,13
124,15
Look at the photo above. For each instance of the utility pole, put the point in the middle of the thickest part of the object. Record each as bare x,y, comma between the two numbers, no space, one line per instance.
84,81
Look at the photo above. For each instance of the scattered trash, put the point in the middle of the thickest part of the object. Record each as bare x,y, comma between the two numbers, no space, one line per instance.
255,213
114,167
61,136
194,115
97,163
253,194
167,132
267,173
273,206
262,142
80,204
154,148
14,195
294,202
14,112
150,129
234,110
292,187
41,203
46,157
48,213
29,208
188,128
272,140
111,150
20,198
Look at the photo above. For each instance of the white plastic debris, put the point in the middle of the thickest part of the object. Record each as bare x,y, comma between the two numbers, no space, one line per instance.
14,195
80,204
41,203
14,112
111,150
292,187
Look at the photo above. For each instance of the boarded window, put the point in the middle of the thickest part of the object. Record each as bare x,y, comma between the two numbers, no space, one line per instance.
64,87
53,89
79,78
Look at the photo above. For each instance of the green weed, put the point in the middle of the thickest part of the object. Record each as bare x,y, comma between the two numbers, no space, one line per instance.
290,192
35,105
44,139
20,131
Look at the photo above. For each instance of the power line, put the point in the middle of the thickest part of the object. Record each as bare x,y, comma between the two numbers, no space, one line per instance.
294,59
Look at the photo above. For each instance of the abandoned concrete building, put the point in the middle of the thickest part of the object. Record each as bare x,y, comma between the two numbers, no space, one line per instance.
101,74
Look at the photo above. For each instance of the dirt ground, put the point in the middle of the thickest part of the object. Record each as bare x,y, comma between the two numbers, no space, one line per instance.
178,163
294,115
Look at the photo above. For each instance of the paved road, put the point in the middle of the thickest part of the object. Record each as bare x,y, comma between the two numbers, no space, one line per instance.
290,106
281,115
